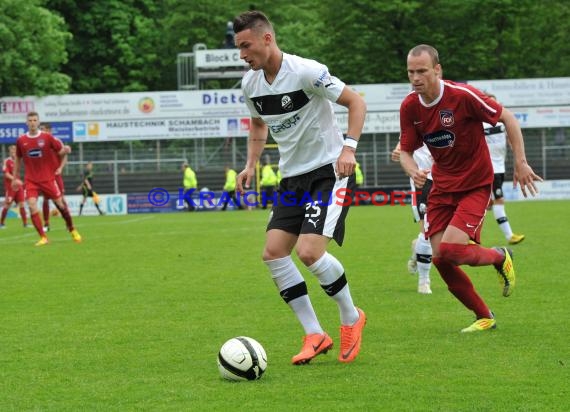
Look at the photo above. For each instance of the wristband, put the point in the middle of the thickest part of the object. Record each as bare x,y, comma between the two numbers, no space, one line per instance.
351,142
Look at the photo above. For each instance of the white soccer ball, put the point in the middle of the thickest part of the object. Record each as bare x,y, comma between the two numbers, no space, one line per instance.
242,359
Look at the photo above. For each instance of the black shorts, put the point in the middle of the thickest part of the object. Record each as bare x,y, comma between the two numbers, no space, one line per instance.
315,202
87,192
498,180
420,207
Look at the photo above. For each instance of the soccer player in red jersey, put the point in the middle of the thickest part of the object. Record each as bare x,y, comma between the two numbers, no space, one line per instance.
58,164
33,148
12,195
447,117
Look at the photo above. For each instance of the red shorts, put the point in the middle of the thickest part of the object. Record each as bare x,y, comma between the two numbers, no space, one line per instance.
49,189
59,181
17,196
464,210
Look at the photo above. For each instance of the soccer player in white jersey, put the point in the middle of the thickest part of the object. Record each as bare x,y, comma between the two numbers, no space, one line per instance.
496,137
290,97
420,261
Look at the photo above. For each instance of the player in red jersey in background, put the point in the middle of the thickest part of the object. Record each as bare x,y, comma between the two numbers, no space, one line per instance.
33,149
448,117
12,195
58,164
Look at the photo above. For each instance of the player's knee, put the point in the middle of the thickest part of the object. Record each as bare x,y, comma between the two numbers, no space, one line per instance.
451,252
272,254
308,255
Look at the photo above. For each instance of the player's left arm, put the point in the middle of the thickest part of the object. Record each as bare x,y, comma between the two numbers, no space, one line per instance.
356,106
6,171
523,173
63,154
16,182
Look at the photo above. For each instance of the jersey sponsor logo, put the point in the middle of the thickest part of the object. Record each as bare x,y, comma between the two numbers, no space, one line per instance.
446,118
324,79
287,103
35,153
286,124
275,104
440,139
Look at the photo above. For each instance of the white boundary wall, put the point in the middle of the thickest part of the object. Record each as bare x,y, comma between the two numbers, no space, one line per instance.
537,103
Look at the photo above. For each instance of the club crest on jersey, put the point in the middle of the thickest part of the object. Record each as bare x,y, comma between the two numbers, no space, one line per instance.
41,142
287,103
440,139
446,118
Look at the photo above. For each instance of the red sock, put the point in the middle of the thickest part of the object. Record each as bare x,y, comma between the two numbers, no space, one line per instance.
461,287
37,221
472,255
45,210
4,213
67,217
23,215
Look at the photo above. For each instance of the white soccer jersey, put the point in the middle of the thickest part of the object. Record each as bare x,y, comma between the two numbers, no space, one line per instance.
497,141
423,158
297,109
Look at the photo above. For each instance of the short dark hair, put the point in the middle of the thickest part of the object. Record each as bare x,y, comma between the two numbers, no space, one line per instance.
254,20
30,114
419,49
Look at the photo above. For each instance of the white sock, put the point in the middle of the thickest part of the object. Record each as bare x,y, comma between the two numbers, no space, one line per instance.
502,220
329,270
414,243
286,275
423,256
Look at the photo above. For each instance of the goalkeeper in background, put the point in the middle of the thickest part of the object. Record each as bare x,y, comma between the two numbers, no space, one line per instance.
86,187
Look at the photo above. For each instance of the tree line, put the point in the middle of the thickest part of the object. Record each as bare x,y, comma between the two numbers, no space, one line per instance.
107,46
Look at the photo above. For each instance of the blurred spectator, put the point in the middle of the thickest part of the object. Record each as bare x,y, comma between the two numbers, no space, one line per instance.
230,188
189,182
268,181
359,176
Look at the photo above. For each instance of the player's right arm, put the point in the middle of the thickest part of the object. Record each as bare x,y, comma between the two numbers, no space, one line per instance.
409,142
255,145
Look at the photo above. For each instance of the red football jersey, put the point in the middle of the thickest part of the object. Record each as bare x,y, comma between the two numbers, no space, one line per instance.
37,152
451,127
8,167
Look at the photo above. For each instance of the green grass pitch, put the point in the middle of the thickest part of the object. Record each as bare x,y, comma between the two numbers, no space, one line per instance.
132,319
